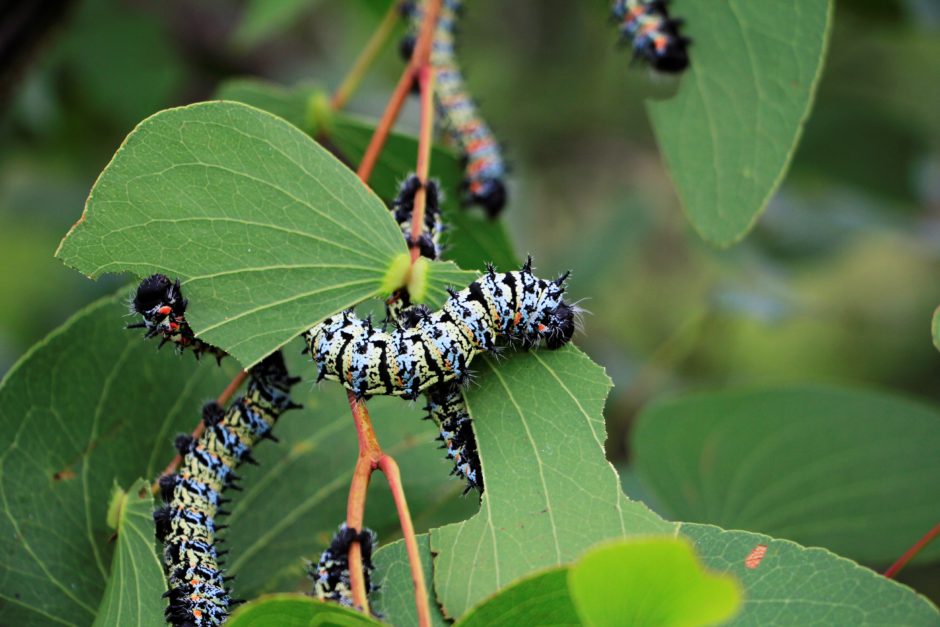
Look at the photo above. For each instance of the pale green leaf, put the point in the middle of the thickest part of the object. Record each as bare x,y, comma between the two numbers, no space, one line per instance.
650,581
935,328
729,133
136,569
840,468
268,231
550,493
296,610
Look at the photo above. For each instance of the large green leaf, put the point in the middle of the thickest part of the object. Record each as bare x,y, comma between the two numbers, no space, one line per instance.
77,420
471,240
540,599
729,133
269,232
395,597
550,493
792,585
136,569
89,406
296,610
845,469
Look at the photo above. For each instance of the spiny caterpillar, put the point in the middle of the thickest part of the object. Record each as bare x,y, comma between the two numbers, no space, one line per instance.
330,576
187,523
446,406
430,233
159,301
654,36
484,167
448,409
435,348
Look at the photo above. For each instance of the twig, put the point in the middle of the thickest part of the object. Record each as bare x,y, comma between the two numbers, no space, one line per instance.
365,59
222,400
426,76
389,467
912,552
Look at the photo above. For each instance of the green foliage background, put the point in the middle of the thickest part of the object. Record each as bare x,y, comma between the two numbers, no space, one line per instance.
836,283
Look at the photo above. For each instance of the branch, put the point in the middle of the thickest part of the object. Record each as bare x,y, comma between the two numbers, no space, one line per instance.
366,58
913,551
426,76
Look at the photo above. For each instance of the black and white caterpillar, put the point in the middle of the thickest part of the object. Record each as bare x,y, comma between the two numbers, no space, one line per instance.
160,303
331,581
428,240
484,167
435,348
652,34
186,524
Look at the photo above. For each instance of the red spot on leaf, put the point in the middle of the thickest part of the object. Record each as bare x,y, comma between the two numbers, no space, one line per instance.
754,558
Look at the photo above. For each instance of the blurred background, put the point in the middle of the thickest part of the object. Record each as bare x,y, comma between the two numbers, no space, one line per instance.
837,283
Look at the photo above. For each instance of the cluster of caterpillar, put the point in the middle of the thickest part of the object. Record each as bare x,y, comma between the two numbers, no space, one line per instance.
652,34
160,303
186,524
446,406
484,167
434,348
330,575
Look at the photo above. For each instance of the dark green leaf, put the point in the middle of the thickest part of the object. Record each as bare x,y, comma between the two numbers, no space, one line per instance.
729,133
264,18
395,598
540,599
845,469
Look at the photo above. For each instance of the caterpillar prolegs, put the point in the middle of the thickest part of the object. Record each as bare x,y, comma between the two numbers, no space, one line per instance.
186,524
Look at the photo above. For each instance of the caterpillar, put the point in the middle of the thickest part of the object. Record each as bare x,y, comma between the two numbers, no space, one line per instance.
331,581
484,167
186,524
446,406
160,303
653,35
434,348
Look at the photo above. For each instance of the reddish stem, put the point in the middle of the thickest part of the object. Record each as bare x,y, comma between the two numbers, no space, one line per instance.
222,400
912,552
426,76
388,466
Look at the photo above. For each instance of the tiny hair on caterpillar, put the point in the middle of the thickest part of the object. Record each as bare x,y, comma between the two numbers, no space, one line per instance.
433,348
331,579
484,167
160,304
186,524
652,34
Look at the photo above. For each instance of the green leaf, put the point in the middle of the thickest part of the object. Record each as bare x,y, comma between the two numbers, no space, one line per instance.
471,240
89,406
268,231
729,133
540,599
132,594
824,466
550,493
296,610
793,585
264,18
935,328
395,597
650,581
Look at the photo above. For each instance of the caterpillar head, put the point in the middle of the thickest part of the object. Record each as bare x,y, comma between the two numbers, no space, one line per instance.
489,194
560,326
669,54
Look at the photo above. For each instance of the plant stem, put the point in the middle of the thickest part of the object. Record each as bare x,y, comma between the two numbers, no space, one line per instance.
365,59
222,400
389,467
426,76
913,551
419,58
